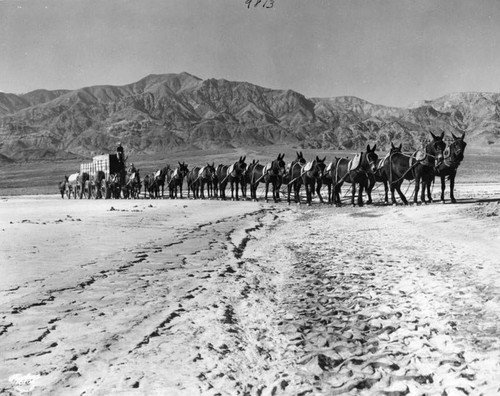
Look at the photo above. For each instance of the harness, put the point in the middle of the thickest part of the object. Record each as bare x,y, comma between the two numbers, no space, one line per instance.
230,170
418,157
352,165
308,167
292,166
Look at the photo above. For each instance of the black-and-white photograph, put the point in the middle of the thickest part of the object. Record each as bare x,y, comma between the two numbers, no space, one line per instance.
249,197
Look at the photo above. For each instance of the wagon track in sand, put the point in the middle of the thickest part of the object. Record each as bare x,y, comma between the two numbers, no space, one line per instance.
275,300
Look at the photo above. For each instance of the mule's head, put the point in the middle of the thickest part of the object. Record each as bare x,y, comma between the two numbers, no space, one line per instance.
457,148
278,166
321,165
239,167
300,158
242,163
396,149
436,147
210,170
183,169
370,158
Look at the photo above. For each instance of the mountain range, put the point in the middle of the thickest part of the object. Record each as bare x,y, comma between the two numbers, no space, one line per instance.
172,112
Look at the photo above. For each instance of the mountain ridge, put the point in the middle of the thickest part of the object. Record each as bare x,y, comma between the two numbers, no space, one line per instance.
178,111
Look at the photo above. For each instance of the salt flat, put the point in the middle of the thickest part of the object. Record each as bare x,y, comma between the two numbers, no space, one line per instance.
208,297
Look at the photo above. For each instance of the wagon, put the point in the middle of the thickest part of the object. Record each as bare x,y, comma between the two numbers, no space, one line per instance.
104,178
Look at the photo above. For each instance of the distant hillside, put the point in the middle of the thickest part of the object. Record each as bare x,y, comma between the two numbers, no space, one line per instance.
163,113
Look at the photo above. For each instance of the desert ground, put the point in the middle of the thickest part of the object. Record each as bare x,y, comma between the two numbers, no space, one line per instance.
187,297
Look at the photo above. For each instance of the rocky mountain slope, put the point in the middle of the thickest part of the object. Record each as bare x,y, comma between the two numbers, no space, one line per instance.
169,112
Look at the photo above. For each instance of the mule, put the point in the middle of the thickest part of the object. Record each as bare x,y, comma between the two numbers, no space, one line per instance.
418,167
272,174
132,186
150,187
355,171
159,178
312,174
207,179
231,174
452,157
115,184
175,179
248,178
193,182
380,176
84,187
99,185
293,177
328,179
64,188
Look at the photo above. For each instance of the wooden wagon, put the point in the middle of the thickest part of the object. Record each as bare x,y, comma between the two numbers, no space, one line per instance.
101,177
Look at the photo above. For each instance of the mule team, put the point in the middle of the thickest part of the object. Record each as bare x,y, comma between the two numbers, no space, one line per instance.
362,172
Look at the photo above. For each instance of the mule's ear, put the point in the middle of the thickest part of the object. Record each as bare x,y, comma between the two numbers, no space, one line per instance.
463,135
374,148
244,158
324,159
454,137
433,136
442,135
400,146
368,148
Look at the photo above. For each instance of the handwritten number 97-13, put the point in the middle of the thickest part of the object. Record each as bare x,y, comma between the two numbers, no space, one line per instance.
262,3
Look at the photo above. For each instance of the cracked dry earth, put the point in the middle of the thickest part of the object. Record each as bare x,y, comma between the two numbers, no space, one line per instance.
272,300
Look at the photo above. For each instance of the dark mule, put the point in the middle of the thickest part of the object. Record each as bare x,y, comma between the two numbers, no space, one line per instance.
73,185
272,174
64,188
207,178
328,179
175,178
132,187
193,182
379,176
84,185
293,177
149,186
418,167
247,177
115,184
355,171
99,185
453,156
158,181
230,174
312,174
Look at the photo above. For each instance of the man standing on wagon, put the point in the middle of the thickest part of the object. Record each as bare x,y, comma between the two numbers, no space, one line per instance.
119,154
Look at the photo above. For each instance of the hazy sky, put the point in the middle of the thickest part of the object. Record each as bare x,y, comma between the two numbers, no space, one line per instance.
391,52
